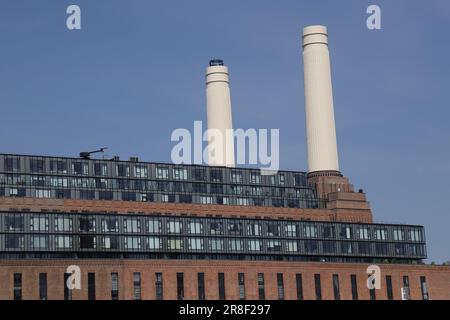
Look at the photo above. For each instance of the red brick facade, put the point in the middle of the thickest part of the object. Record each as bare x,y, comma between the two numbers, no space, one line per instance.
437,278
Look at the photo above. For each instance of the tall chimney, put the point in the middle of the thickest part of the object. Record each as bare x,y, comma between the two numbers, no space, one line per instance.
320,126
218,105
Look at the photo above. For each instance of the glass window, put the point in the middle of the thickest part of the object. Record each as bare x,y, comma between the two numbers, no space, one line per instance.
17,192
201,285
237,190
318,287
311,246
363,233
236,176
281,178
291,246
174,226
110,224
105,195
162,173
154,243
63,242
63,224
88,242
235,228
280,286
399,235
215,227
347,247
195,243
180,174
329,247
336,289
255,177
381,249
261,289
17,288
91,286
58,166
235,245
87,224
389,291
12,164
154,225
36,165
215,175
14,241
274,245
132,242
273,229
195,228
254,228
221,282
215,244
199,174
299,180
39,242
43,286
114,286
346,233
380,234
415,235
38,223
175,244
242,201
80,168
310,231
364,248
159,285
291,230
132,225
354,286
14,222
328,232
180,286
59,182
254,245
101,183
110,242
257,191
100,169
216,188
38,181
122,170
206,200
140,171
43,193
299,286
241,284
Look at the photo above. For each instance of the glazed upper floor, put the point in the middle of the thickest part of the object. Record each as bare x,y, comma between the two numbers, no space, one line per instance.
99,179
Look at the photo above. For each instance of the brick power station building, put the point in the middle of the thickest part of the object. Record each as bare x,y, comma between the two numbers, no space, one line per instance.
140,230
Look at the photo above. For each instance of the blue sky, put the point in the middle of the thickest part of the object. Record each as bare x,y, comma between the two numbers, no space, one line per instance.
135,72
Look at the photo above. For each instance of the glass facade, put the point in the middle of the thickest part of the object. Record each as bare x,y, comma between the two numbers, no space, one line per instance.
72,178
53,233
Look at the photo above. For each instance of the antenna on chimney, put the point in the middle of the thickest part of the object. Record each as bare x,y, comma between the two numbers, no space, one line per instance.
87,155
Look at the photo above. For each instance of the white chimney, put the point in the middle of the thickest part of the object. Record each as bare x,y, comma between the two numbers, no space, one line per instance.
320,125
218,104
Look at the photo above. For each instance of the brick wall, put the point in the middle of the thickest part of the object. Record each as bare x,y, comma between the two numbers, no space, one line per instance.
437,277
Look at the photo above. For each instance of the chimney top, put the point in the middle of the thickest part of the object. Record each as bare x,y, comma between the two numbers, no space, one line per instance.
315,29
215,62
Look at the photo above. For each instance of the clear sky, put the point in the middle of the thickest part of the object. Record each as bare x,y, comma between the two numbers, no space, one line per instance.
135,72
